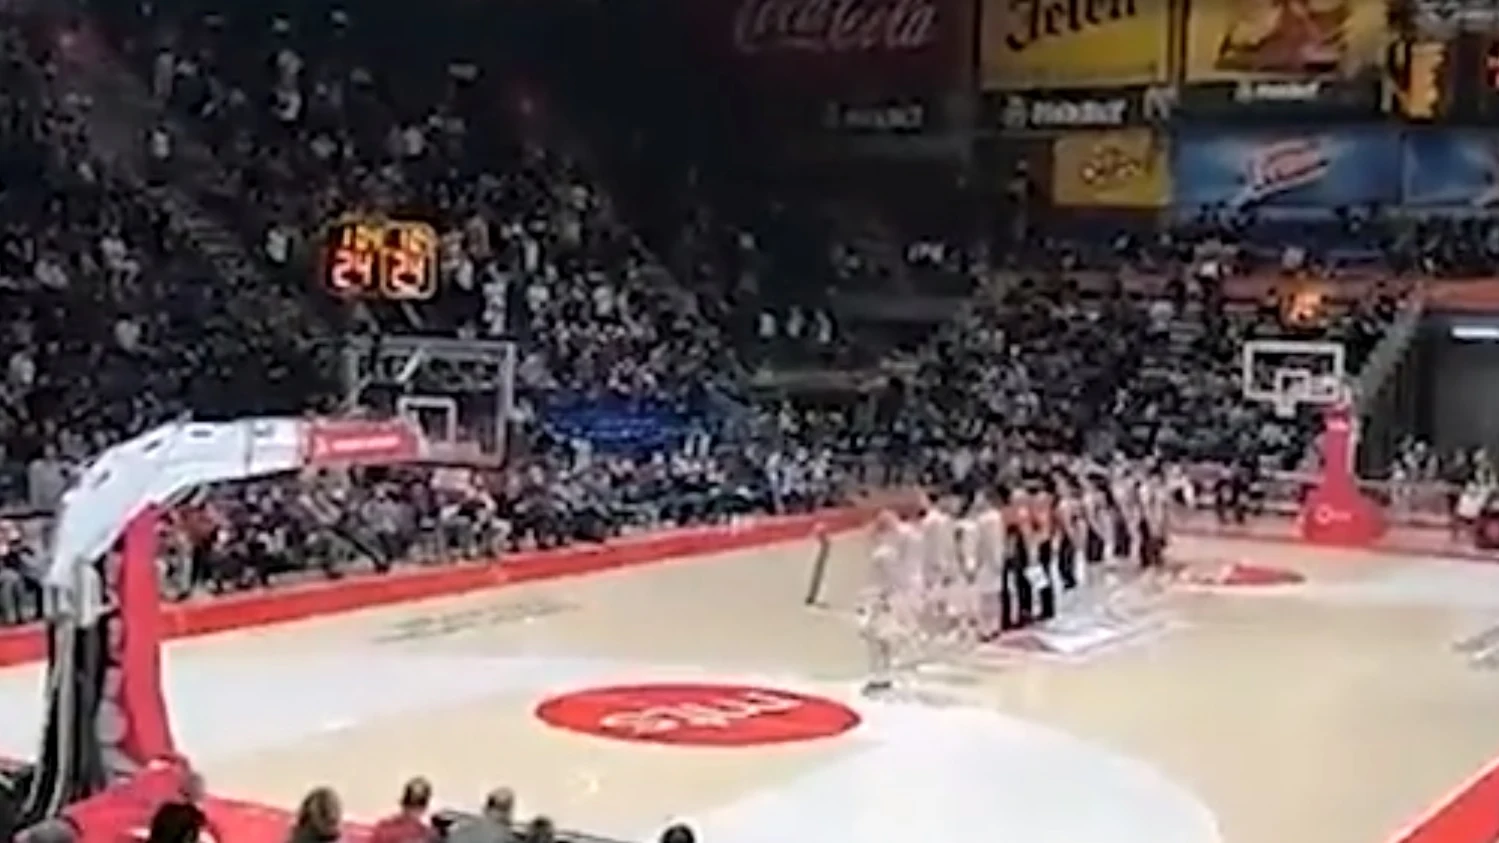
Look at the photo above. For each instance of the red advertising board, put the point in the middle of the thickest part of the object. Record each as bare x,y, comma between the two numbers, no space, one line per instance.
840,47
359,442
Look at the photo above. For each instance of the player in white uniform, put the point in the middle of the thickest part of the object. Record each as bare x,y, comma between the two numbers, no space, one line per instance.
939,566
1155,515
989,546
1126,496
893,560
1073,531
968,592
1099,546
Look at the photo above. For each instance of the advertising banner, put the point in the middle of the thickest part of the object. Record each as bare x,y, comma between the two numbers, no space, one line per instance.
827,48
1258,59
1124,169
1031,45
1456,171
1081,108
885,117
329,442
1246,101
1291,171
1254,40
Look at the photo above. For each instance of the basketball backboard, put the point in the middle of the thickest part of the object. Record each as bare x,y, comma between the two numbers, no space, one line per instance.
1289,374
458,394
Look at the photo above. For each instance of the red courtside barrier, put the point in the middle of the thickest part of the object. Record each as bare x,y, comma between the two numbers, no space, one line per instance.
303,601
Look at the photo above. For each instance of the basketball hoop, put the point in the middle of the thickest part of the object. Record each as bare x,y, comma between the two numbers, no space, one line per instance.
1293,387
1285,406
1346,395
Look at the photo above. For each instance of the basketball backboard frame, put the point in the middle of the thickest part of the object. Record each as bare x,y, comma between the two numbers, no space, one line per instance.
404,366
1290,386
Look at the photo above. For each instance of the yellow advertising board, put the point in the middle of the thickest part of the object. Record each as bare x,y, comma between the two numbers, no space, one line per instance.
1052,44
1126,168
1233,40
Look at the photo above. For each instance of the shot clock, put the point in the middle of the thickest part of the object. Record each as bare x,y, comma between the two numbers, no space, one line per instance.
376,258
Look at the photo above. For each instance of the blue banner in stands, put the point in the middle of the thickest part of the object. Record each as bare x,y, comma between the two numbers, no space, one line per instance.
1452,171
1290,172
617,425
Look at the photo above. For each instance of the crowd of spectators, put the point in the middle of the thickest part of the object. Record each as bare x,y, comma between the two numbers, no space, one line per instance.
530,249
1047,363
330,524
90,308
312,120
319,817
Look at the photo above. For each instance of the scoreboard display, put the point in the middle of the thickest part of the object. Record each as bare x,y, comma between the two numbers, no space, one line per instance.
376,258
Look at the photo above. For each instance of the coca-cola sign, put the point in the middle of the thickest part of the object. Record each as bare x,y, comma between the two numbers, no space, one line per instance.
827,47
836,26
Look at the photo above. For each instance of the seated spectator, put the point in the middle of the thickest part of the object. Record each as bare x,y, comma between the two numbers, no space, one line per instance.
58,830
177,821
495,824
409,824
318,818
20,575
540,830
678,833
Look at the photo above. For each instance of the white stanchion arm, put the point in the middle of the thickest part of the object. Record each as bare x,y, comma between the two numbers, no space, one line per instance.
155,468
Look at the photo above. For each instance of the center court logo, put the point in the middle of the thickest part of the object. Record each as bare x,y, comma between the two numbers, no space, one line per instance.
698,715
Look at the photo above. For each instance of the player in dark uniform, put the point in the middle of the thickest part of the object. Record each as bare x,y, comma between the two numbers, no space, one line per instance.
1098,520
1017,593
1072,535
1044,562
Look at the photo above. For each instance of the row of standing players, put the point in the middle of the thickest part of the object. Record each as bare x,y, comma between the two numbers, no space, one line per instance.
1003,563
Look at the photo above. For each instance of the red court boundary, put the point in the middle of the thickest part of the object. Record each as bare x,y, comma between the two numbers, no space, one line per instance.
300,602
1470,815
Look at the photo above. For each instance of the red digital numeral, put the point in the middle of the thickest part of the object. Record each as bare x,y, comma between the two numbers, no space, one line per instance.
350,272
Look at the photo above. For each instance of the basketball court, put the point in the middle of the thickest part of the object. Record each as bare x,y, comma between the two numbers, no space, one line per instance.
1267,711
